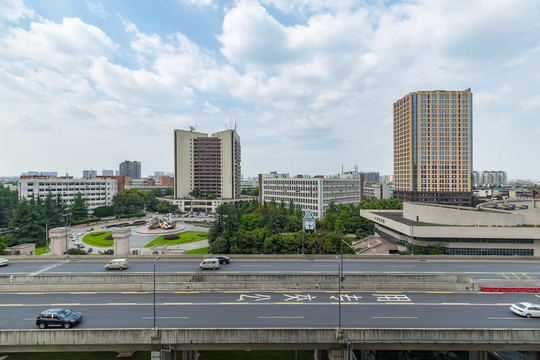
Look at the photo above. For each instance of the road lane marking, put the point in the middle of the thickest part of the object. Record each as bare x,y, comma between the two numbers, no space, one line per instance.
345,303
83,293
11,305
493,292
455,303
294,303
165,317
29,293
280,317
269,272
237,292
121,303
287,291
394,317
185,292
439,292
134,292
66,304
337,291
504,304
389,292
230,303
184,303
502,318
48,268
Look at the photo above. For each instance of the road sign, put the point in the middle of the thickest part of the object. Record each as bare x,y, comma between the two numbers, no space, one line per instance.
308,222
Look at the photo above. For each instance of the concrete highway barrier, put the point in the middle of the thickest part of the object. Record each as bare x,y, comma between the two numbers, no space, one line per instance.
210,282
268,338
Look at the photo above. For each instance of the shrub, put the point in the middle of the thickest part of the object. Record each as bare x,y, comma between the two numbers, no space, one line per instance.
171,237
108,237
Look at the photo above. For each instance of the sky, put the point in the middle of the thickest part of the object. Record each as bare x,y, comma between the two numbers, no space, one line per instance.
308,85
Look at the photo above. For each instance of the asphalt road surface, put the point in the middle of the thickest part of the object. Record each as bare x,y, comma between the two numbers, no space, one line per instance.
516,270
259,309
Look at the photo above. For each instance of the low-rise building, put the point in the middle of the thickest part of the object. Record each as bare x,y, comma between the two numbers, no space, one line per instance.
502,227
96,191
313,194
376,191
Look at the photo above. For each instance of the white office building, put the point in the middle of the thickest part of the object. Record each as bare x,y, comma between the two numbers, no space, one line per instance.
96,191
313,194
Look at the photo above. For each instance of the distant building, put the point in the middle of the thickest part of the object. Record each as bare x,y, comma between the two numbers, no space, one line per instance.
376,191
166,181
433,147
96,191
313,194
131,169
40,173
122,181
249,185
159,173
372,177
107,172
385,179
89,173
491,178
209,164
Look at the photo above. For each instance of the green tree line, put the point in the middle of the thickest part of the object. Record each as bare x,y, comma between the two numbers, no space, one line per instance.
252,228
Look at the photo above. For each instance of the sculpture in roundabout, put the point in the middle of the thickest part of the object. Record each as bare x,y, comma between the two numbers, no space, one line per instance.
155,223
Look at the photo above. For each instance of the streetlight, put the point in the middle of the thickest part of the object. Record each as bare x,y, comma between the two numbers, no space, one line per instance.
339,294
157,258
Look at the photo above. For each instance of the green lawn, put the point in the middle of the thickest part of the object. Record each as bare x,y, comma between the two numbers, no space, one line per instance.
98,239
198,251
185,237
42,250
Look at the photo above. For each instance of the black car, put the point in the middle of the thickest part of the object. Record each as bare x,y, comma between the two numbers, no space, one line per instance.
223,259
58,317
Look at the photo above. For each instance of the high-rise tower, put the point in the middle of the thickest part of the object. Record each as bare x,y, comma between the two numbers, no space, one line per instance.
209,164
131,169
433,147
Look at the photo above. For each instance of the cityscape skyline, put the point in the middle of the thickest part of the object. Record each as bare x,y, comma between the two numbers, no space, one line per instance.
309,86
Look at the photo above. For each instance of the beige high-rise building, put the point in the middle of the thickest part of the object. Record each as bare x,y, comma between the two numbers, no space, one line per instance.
210,164
433,147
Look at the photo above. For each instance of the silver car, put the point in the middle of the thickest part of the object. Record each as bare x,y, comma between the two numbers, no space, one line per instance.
526,309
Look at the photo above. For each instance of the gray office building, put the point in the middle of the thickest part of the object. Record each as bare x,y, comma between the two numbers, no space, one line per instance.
131,169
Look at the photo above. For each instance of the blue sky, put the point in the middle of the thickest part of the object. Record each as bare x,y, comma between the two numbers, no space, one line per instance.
309,84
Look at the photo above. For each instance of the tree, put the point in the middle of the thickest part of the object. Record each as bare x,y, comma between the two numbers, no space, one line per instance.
51,216
169,192
28,225
130,201
103,211
196,193
79,210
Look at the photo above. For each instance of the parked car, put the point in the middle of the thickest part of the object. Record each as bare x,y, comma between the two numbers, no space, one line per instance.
91,229
117,264
209,264
4,262
526,309
65,318
223,259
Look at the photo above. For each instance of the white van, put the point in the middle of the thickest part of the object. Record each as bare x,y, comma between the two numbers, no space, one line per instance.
117,264
209,264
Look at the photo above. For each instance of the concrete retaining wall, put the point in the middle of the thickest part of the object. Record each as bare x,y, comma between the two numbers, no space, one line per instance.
268,338
233,282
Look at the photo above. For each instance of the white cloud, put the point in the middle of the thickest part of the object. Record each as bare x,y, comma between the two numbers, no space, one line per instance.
13,11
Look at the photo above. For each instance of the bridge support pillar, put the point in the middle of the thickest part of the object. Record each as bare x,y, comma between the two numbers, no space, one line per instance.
59,240
332,354
479,355
121,240
190,355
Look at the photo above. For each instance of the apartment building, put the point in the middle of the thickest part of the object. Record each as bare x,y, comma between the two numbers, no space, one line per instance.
313,194
210,164
131,169
96,191
376,191
433,147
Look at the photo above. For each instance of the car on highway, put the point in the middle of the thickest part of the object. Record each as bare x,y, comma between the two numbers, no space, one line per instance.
4,262
65,318
526,309
209,264
223,259
120,264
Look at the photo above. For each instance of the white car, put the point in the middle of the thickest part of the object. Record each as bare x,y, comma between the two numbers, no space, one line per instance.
526,309
4,262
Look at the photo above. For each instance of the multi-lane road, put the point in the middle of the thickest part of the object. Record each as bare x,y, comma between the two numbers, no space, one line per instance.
518,270
249,309
260,309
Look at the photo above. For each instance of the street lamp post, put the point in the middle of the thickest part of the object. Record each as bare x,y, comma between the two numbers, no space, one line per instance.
339,294
157,258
